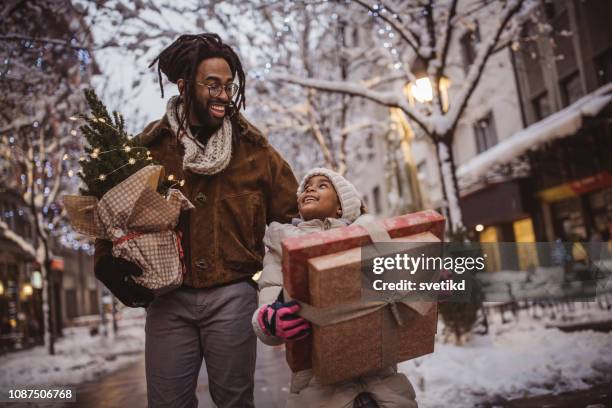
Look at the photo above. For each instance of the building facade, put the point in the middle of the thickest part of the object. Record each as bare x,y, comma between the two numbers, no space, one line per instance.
533,148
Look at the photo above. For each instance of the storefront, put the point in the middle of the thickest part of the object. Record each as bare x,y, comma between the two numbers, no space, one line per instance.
502,213
20,299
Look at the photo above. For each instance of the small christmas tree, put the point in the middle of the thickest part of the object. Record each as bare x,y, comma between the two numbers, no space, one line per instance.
111,154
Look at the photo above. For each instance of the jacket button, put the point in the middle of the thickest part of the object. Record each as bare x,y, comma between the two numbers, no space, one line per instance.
201,264
200,198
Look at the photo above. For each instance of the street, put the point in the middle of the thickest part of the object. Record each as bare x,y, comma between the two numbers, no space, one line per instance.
127,387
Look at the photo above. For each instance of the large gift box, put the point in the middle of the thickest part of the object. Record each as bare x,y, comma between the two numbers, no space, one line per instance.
141,224
323,271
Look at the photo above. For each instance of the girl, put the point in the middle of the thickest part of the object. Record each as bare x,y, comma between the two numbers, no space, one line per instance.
325,200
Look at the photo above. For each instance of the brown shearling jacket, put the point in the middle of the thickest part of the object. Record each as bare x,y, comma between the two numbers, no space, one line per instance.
223,236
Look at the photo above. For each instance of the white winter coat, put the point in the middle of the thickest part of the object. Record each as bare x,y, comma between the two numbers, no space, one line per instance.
389,388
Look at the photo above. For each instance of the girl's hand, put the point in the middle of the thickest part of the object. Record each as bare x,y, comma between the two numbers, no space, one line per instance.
281,320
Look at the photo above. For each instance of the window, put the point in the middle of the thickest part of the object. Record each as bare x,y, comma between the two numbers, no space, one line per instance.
468,47
571,89
93,302
541,106
422,171
486,135
603,66
71,303
376,196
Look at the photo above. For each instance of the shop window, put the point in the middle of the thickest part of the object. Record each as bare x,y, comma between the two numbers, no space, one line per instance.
541,106
526,249
486,135
572,89
568,219
93,302
71,303
603,65
490,237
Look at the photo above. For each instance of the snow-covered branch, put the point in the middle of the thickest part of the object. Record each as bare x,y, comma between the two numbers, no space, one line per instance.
389,98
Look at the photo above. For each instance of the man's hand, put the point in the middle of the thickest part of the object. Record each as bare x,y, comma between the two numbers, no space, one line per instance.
116,274
281,320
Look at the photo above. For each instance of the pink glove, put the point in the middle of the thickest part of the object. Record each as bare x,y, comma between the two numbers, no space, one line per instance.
281,320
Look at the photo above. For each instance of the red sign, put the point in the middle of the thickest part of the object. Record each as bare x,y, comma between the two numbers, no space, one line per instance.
597,181
57,264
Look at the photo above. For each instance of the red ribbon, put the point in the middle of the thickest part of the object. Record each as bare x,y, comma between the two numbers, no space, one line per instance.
127,237
179,247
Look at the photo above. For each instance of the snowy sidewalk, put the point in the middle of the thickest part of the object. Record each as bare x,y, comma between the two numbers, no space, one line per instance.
521,358
79,356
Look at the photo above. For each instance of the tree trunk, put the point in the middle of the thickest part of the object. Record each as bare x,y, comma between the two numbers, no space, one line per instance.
450,181
47,305
451,156
447,213
115,326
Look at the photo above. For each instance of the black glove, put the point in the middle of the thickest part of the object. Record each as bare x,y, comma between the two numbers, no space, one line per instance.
116,274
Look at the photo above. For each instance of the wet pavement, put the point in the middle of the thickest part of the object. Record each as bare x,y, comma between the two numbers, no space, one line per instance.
127,387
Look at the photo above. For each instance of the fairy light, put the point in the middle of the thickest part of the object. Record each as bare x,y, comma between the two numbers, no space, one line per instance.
70,173
102,177
132,160
66,157
171,177
182,183
127,148
73,132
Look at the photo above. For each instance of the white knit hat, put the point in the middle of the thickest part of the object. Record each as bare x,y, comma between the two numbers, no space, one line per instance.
349,197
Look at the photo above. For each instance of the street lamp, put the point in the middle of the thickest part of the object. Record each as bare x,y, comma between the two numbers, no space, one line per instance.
26,291
421,90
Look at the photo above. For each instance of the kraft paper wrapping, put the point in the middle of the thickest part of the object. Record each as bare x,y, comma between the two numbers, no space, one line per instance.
298,250
357,330
141,224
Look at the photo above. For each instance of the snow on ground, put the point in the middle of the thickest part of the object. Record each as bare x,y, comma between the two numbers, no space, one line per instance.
79,356
517,359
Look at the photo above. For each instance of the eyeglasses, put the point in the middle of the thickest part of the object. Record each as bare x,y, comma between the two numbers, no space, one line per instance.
214,89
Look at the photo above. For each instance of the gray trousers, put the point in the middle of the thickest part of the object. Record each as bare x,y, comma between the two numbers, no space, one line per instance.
186,325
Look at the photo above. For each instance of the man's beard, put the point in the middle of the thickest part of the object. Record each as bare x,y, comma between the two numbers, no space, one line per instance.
202,113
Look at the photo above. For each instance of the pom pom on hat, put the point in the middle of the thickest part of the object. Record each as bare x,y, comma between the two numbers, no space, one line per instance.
347,193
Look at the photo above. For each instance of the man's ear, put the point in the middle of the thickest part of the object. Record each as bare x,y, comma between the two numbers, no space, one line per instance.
181,85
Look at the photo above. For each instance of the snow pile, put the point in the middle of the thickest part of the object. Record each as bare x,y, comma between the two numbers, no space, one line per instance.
518,359
79,357
564,123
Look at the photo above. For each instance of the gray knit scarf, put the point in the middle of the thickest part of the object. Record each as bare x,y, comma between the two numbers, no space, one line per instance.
207,159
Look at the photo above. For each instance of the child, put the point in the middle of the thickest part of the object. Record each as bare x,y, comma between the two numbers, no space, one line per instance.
325,200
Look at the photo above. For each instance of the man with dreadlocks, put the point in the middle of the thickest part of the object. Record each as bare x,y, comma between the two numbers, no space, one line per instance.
238,184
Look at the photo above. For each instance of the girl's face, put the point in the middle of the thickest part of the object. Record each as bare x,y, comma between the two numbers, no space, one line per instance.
319,200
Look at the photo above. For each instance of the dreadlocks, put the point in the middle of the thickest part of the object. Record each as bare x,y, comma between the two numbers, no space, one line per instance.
181,59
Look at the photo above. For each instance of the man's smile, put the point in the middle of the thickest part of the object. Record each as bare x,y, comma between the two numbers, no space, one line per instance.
217,110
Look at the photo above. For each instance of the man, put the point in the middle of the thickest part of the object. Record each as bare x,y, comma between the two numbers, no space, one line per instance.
238,184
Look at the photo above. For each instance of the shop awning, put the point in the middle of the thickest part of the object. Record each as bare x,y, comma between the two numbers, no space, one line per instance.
564,123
